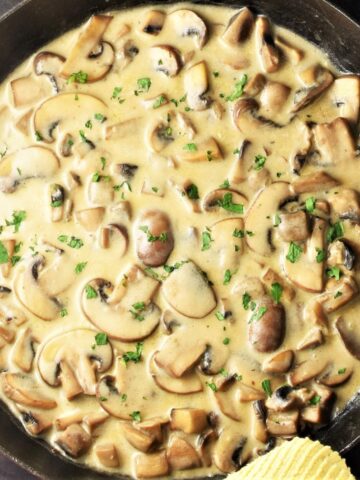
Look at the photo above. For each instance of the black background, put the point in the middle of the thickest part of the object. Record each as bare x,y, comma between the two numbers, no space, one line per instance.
8,470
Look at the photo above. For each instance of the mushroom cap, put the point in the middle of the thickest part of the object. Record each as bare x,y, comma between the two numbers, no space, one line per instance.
188,23
165,59
79,350
196,84
267,333
239,27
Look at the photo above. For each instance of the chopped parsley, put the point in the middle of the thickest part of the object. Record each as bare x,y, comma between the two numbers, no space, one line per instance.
227,277
88,124
212,386
266,386
170,268
190,147
18,216
206,240
338,294
310,204
238,89
72,242
276,292
78,77
246,299
333,272
226,341
294,252
136,416
159,101
192,191
90,292
209,155
315,400
116,95
258,314
4,255
225,184
138,307
38,136
220,316
101,339
143,85
259,162
216,74
227,204
224,372
163,237
320,255
277,220
134,356
335,231
103,162
100,117
341,371
63,312
80,267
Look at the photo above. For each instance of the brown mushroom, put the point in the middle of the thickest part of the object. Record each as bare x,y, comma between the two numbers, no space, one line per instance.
28,90
225,200
24,390
152,465
187,23
307,370
349,335
196,85
279,363
165,59
35,422
268,51
318,79
270,277
153,22
137,437
49,64
239,27
314,182
345,95
338,293
228,449
188,420
273,97
207,150
294,54
181,455
74,441
115,236
267,325
345,203
24,352
336,379
283,424
258,421
107,455
294,226
312,339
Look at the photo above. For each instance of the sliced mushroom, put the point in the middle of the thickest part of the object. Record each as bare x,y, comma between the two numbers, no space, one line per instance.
306,272
28,90
196,85
90,218
228,449
101,192
265,204
349,335
49,64
314,182
206,150
279,363
255,85
165,59
283,424
83,357
109,308
114,236
294,54
293,227
23,123
338,293
226,246
214,200
267,333
138,438
239,27
23,351
187,384
318,79
188,420
202,446
56,202
61,423
82,56
30,162
24,390
30,293
67,112
215,356
268,51
270,277
153,22
159,135
307,370
152,465
187,23
196,300
336,379
258,421
238,172
35,422
107,455
273,97
345,94
181,455
345,203
227,396
312,339
155,241
335,143
74,441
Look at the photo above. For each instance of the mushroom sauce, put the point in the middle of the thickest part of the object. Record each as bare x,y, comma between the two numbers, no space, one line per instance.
179,242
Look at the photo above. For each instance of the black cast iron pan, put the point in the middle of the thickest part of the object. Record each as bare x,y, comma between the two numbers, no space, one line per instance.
27,26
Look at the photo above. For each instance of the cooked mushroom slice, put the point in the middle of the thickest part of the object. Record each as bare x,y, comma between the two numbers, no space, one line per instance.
153,22
90,218
107,455
255,85
187,23
152,465
267,325
30,293
294,54
112,309
30,162
61,423
265,205
293,227
66,113
273,97
57,199
258,421
188,420
74,441
23,352
227,396
349,335
185,125
227,243
202,445
269,53
335,143
238,173
116,237
75,353
165,59
22,389
318,80
227,451
239,27
226,200
215,356
124,129
270,277
307,370
101,191
28,90
206,150
283,424
345,203
279,363
196,300
338,293
304,270
138,438
181,455
345,94
314,182
196,86
35,422
159,135
335,379
50,64
248,393
155,241
314,414
312,339
90,54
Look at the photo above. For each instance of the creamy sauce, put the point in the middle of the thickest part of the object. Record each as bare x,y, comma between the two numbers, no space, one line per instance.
182,154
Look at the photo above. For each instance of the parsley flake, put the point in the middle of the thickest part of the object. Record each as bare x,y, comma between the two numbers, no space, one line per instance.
294,252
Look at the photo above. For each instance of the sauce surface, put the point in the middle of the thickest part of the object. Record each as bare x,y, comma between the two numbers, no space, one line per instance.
180,238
